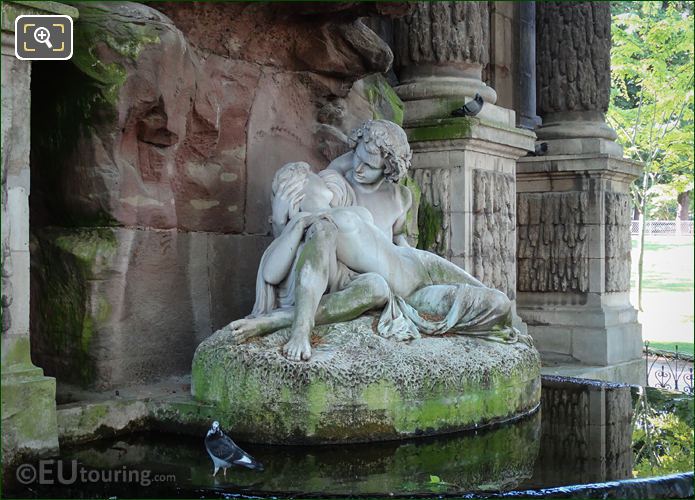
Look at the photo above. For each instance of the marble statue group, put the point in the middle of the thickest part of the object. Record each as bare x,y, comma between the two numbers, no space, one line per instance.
340,250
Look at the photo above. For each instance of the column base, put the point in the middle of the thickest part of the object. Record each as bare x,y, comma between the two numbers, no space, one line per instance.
441,107
437,96
583,146
29,424
601,331
578,133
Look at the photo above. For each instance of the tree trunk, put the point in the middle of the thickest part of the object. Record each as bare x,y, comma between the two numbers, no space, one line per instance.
643,227
683,205
683,209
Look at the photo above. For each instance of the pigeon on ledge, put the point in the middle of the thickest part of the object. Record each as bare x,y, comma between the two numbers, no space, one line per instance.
225,453
471,108
541,149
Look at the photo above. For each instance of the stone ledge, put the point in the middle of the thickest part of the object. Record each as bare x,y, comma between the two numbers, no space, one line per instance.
601,163
629,372
474,134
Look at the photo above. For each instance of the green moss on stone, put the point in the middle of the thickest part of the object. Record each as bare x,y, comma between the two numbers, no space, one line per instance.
62,266
411,218
28,416
99,27
270,399
441,129
16,351
429,223
383,100
88,246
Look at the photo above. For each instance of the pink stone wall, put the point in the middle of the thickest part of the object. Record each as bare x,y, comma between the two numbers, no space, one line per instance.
198,105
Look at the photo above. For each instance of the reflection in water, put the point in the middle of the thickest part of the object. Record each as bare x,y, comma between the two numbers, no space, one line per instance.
583,434
494,460
586,434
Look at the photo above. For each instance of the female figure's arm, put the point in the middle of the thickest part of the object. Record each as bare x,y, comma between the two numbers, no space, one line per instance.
280,257
285,205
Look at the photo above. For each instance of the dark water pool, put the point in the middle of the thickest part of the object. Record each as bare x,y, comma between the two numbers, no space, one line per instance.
569,441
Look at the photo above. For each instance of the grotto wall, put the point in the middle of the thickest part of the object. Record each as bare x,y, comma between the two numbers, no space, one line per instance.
150,168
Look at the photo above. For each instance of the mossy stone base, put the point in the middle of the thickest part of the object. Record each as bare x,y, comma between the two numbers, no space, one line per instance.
360,387
28,414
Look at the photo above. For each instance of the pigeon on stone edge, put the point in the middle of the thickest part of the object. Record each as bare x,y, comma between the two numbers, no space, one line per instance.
471,108
225,453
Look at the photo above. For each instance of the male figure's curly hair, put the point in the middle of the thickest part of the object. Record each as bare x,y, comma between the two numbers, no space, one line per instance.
389,140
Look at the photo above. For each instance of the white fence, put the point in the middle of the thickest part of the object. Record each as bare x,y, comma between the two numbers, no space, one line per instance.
663,227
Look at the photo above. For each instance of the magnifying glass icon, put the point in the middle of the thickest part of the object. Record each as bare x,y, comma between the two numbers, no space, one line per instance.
42,35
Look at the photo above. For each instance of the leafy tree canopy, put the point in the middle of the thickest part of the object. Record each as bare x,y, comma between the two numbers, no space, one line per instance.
652,92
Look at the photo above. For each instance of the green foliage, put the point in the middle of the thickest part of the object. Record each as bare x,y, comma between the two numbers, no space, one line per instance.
652,100
652,95
683,347
662,442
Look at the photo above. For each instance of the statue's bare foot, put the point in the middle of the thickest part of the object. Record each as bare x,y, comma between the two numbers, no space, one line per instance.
243,329
297,348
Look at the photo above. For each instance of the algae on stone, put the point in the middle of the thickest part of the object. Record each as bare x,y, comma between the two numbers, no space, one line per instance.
429,222
383,100
63,263
359,386
100,25
412,217
440,129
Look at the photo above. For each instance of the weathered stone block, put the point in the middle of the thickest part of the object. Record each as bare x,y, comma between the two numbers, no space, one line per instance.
233,262
28,414
117,306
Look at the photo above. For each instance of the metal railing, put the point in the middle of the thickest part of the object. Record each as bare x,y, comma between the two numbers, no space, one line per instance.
663,227
668,369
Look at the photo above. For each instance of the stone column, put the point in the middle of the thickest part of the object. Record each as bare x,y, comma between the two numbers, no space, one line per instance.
526,66
573,69
28,398
465,166
440,51
573,221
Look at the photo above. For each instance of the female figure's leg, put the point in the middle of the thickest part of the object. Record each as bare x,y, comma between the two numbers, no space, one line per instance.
461,307
367,291
457,300
315,265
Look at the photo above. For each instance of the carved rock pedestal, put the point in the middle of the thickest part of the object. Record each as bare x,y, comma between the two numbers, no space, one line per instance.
28,398
360,387
466,168
573,275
